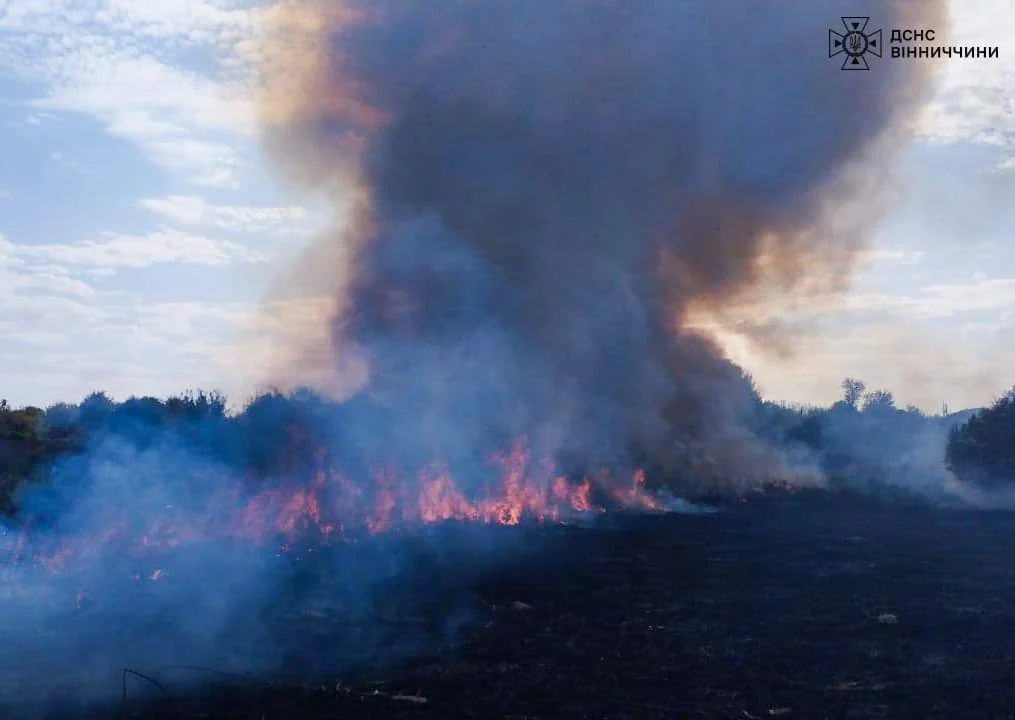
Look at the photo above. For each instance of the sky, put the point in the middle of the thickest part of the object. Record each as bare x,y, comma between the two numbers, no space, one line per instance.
142,231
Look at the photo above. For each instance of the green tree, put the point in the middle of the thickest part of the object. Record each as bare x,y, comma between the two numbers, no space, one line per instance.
983,449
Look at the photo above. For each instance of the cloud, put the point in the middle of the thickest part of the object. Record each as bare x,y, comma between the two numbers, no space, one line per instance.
37,118
134,67
943,342
979,295
975,101
128,346
77,337
185,128
18,277
76,345
195,211
164,246
220,178
893,255
81,337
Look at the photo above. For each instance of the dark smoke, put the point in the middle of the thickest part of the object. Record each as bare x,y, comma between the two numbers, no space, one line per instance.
551,187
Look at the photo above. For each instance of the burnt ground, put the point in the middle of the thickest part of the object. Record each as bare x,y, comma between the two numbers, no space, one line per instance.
822,606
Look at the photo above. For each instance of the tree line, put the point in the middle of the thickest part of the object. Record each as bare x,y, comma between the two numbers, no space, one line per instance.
862,436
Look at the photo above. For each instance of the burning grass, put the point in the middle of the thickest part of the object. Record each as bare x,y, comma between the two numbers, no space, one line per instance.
333,507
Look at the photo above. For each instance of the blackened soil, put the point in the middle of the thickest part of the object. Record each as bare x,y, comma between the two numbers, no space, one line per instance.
808,607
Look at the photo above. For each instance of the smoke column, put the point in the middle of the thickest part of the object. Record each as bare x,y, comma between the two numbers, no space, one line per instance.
545,190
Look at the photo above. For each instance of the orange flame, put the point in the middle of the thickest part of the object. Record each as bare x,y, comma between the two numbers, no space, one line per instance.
334,506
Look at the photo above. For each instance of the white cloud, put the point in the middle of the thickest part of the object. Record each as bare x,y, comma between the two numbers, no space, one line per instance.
975,101
220,178
38,118
83,344
131,66
979,295
125,345
195,211
79,338
982,294
136,251
188,127
18,277
893,255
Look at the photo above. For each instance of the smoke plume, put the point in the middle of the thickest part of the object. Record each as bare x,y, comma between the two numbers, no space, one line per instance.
547,189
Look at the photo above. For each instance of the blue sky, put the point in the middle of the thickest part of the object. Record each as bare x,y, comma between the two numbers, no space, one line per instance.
141,230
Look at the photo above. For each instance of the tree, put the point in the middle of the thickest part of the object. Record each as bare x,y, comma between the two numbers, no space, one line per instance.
95,410
197,405
852,390
878,401
983,449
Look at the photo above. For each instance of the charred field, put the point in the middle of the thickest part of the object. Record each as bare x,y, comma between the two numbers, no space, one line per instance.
814,605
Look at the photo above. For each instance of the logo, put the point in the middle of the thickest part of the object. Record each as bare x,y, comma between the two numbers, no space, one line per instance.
855,43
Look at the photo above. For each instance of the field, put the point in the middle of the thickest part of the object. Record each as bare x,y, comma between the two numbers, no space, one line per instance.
817,606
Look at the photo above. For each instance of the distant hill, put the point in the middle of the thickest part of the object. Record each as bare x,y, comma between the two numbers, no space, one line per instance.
960,417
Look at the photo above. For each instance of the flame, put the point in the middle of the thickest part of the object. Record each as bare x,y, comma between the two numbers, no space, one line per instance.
334,507
636,496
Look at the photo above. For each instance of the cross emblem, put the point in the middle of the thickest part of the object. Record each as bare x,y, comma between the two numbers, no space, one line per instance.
855,43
